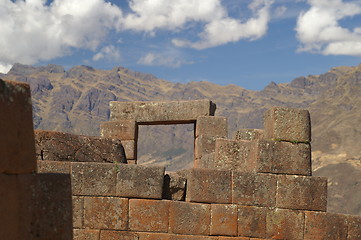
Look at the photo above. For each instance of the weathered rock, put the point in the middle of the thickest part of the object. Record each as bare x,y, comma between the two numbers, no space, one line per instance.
174,187
249,134
123,130
252,221
224,219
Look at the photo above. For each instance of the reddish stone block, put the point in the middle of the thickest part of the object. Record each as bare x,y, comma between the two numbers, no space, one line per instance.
161,112
254,189
287,124
206,161
53,167
320,226
284,158
124,130
209,186
78,212
174,187
204,145
93,179
223,219
249,134
135,181
148,215
86,234
45,206
132,161
9,207
17,146
154,236
252,221
130,149
59,146
354,227
212,126
236,155
106,213
236,238
189,218
190,237
285,224
118,235
301,192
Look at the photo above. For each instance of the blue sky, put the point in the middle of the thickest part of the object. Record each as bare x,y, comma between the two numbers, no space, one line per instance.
247,43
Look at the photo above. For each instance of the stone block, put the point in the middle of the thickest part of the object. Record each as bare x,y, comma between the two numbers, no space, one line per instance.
189,218
17,146
284,158
223,219
204,145
249,134
302,192
354,227
285,224
53,167
132,161
45,204
153,236
148,215
78,212
206,161
214,126
190,237
287,124
320,225
118,235
130,149
106,213
135,181
94,179
161,112
9,207
59,146
236,155
86,234
124,130
209,186
254,189
174,187
252,221
237,238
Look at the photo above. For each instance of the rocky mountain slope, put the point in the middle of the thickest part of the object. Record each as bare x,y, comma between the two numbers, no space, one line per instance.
77,101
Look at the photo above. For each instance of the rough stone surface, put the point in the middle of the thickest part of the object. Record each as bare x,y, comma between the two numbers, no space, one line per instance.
354,227
9,207
118,235
45,204
236,155
174,187
206,161
124,130
285,224
148,215
249,134
301,192
53,167
130,149
58,146
17,146
135,181
252,221
204,145
284,158
106,213
93,179
191,237
78,212
161,112
254,189
212,126
209,186
287,124
86,234
189,218
320,226
153,236
223,219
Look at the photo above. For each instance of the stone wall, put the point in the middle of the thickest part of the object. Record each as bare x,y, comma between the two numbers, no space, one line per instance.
257,185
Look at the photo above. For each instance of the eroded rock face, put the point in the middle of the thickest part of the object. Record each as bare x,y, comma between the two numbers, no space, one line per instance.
58,146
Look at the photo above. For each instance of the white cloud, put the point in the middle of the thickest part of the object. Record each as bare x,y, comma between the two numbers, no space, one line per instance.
32,31
319,30
224,29
110,53
168,58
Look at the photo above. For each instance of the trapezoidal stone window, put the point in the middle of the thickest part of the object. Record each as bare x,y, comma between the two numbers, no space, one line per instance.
127,117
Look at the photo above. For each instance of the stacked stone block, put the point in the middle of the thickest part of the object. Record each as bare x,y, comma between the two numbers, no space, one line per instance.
32,206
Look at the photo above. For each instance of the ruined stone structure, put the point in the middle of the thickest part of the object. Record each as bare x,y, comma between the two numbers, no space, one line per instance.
256,185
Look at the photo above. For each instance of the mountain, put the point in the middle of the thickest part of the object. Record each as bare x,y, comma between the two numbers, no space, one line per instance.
77,100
